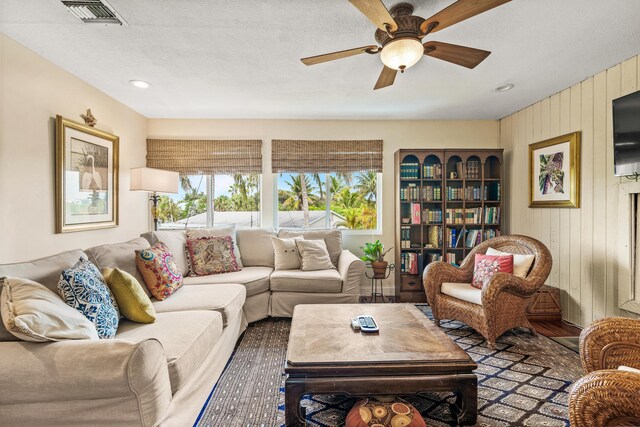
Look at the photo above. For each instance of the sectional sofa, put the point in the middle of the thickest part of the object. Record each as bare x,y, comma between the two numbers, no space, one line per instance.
159,373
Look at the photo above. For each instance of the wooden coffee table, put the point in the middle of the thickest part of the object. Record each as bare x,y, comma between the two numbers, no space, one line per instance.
409,355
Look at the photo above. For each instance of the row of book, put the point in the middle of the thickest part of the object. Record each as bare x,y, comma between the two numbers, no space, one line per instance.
430,216
432,171
473,215
405,237
432,193
434,236
472,193
410,171
473,170
410,192
410,262
492,215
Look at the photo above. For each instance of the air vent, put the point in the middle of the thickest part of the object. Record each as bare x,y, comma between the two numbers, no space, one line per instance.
93,11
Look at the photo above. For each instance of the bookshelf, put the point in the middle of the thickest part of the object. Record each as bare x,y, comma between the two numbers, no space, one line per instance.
447,201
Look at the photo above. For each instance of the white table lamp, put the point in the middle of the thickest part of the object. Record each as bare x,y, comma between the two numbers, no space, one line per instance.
154,181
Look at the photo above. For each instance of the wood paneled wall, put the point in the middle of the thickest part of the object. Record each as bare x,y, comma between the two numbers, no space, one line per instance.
584,241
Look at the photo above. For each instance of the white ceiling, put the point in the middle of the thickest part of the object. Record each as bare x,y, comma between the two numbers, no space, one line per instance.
240,59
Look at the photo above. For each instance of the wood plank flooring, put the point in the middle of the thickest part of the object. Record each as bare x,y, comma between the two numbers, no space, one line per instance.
556,329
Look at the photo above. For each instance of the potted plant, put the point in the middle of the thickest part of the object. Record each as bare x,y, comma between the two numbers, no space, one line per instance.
374,253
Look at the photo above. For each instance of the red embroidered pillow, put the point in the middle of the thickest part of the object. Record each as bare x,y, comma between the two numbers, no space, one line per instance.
159,270
488,265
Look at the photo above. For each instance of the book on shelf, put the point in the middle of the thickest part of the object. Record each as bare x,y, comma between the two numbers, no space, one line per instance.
495,192
454,193
455,216
415,213
451,258
410,262
433,258
472,239
434,236
431,193
432,171
405,237
472,193
410,192
490,234
430,216
473,216
410,170
474,170
492,215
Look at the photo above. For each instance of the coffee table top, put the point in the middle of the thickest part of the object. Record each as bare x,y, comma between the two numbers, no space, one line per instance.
321,335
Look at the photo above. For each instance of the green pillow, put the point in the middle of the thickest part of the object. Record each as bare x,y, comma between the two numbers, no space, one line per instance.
133,302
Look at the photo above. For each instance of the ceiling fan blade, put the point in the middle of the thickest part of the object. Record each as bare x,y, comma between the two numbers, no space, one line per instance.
387,76
457,12
377,13
312,60
460,55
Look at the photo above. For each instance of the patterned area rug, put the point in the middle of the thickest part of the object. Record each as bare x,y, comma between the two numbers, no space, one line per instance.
524,382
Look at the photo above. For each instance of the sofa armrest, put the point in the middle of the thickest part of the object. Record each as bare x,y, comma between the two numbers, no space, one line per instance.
609,343
84,370
351,269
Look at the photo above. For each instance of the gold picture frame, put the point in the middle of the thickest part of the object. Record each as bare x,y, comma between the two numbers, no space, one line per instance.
86,171
554,172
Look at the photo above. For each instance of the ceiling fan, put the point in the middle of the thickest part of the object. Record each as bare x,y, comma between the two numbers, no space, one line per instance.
400,33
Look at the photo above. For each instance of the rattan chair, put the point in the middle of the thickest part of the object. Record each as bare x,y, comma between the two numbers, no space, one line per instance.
607,396
504,299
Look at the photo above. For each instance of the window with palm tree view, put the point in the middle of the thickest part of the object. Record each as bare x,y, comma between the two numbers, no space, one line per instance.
328,200
208,200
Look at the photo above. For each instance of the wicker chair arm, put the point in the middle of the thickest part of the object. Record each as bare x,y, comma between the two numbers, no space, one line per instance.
609,343
437,273
605,398
506,282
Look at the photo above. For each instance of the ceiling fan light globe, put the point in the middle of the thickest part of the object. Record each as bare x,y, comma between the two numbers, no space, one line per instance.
401,54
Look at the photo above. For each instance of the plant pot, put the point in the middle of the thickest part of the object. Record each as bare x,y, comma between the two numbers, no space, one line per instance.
379,269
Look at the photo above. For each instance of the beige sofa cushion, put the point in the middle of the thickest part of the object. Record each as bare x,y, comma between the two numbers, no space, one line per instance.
176,241
225,299
313,255
462,291
328,281
255,246
255,279
333,239
120,255
187,338
45,271
287,254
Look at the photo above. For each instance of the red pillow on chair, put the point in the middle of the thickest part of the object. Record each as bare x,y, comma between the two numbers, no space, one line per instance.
487,265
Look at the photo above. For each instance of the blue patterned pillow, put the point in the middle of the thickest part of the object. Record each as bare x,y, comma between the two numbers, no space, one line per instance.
82,287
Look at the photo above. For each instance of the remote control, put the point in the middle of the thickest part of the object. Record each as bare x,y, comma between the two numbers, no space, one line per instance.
355,324
367,324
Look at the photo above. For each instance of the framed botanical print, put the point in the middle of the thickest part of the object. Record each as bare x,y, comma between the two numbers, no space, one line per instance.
86,177
554,172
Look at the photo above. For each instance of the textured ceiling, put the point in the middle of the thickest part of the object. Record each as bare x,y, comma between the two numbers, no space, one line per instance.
240,59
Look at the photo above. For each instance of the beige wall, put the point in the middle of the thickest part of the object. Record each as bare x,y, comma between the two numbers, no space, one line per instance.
32,92
583,242
396,134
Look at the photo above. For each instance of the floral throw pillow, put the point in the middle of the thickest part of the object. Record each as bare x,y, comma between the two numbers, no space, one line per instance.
159,270
211,255
486,266
83,288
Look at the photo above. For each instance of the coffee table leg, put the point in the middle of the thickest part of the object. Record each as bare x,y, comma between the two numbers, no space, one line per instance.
465,409
293,412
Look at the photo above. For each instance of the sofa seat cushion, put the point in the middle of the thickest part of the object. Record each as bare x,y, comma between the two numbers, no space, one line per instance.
255,246
328,281
255,279
462,291
187,338
226,299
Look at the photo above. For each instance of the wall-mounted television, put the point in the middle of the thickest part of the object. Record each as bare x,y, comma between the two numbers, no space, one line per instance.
626,135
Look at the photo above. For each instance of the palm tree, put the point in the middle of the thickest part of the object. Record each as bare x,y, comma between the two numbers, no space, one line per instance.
168,210
336,183
345,199
301,191
367,185
185,183
352,219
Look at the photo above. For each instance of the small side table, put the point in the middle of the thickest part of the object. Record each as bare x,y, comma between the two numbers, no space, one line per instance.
545,304
375,282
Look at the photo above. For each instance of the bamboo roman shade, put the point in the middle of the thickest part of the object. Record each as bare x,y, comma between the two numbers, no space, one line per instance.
326,156
205,157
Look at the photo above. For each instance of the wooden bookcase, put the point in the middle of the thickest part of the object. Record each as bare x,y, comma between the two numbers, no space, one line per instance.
446,202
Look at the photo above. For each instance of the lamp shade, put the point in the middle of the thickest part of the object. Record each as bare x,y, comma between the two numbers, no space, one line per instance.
401,54
154,180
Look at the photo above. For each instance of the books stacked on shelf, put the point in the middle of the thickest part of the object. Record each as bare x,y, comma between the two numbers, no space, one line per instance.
492,215
433,258
473,169
454,193
410,171
454,216
405,237
490,234
415,213
434,237
410,192
472,193
495,196
410,262
454,237
431,216
431,193
432,171
473,216
451,258
473,238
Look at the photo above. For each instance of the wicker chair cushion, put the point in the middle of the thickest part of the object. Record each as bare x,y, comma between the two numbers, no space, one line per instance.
521,263
383,412
486,266
462,291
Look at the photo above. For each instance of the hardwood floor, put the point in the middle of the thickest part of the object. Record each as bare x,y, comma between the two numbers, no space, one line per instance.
556,329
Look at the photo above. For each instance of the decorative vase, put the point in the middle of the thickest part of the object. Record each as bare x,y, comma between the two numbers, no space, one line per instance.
379,269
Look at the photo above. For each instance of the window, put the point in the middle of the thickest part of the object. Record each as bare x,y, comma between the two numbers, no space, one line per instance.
208,200
334,200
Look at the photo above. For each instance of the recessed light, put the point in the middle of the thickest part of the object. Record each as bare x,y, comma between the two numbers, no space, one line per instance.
139,83
505,88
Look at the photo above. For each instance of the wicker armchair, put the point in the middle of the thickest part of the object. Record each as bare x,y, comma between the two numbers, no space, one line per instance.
504,299
607,396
